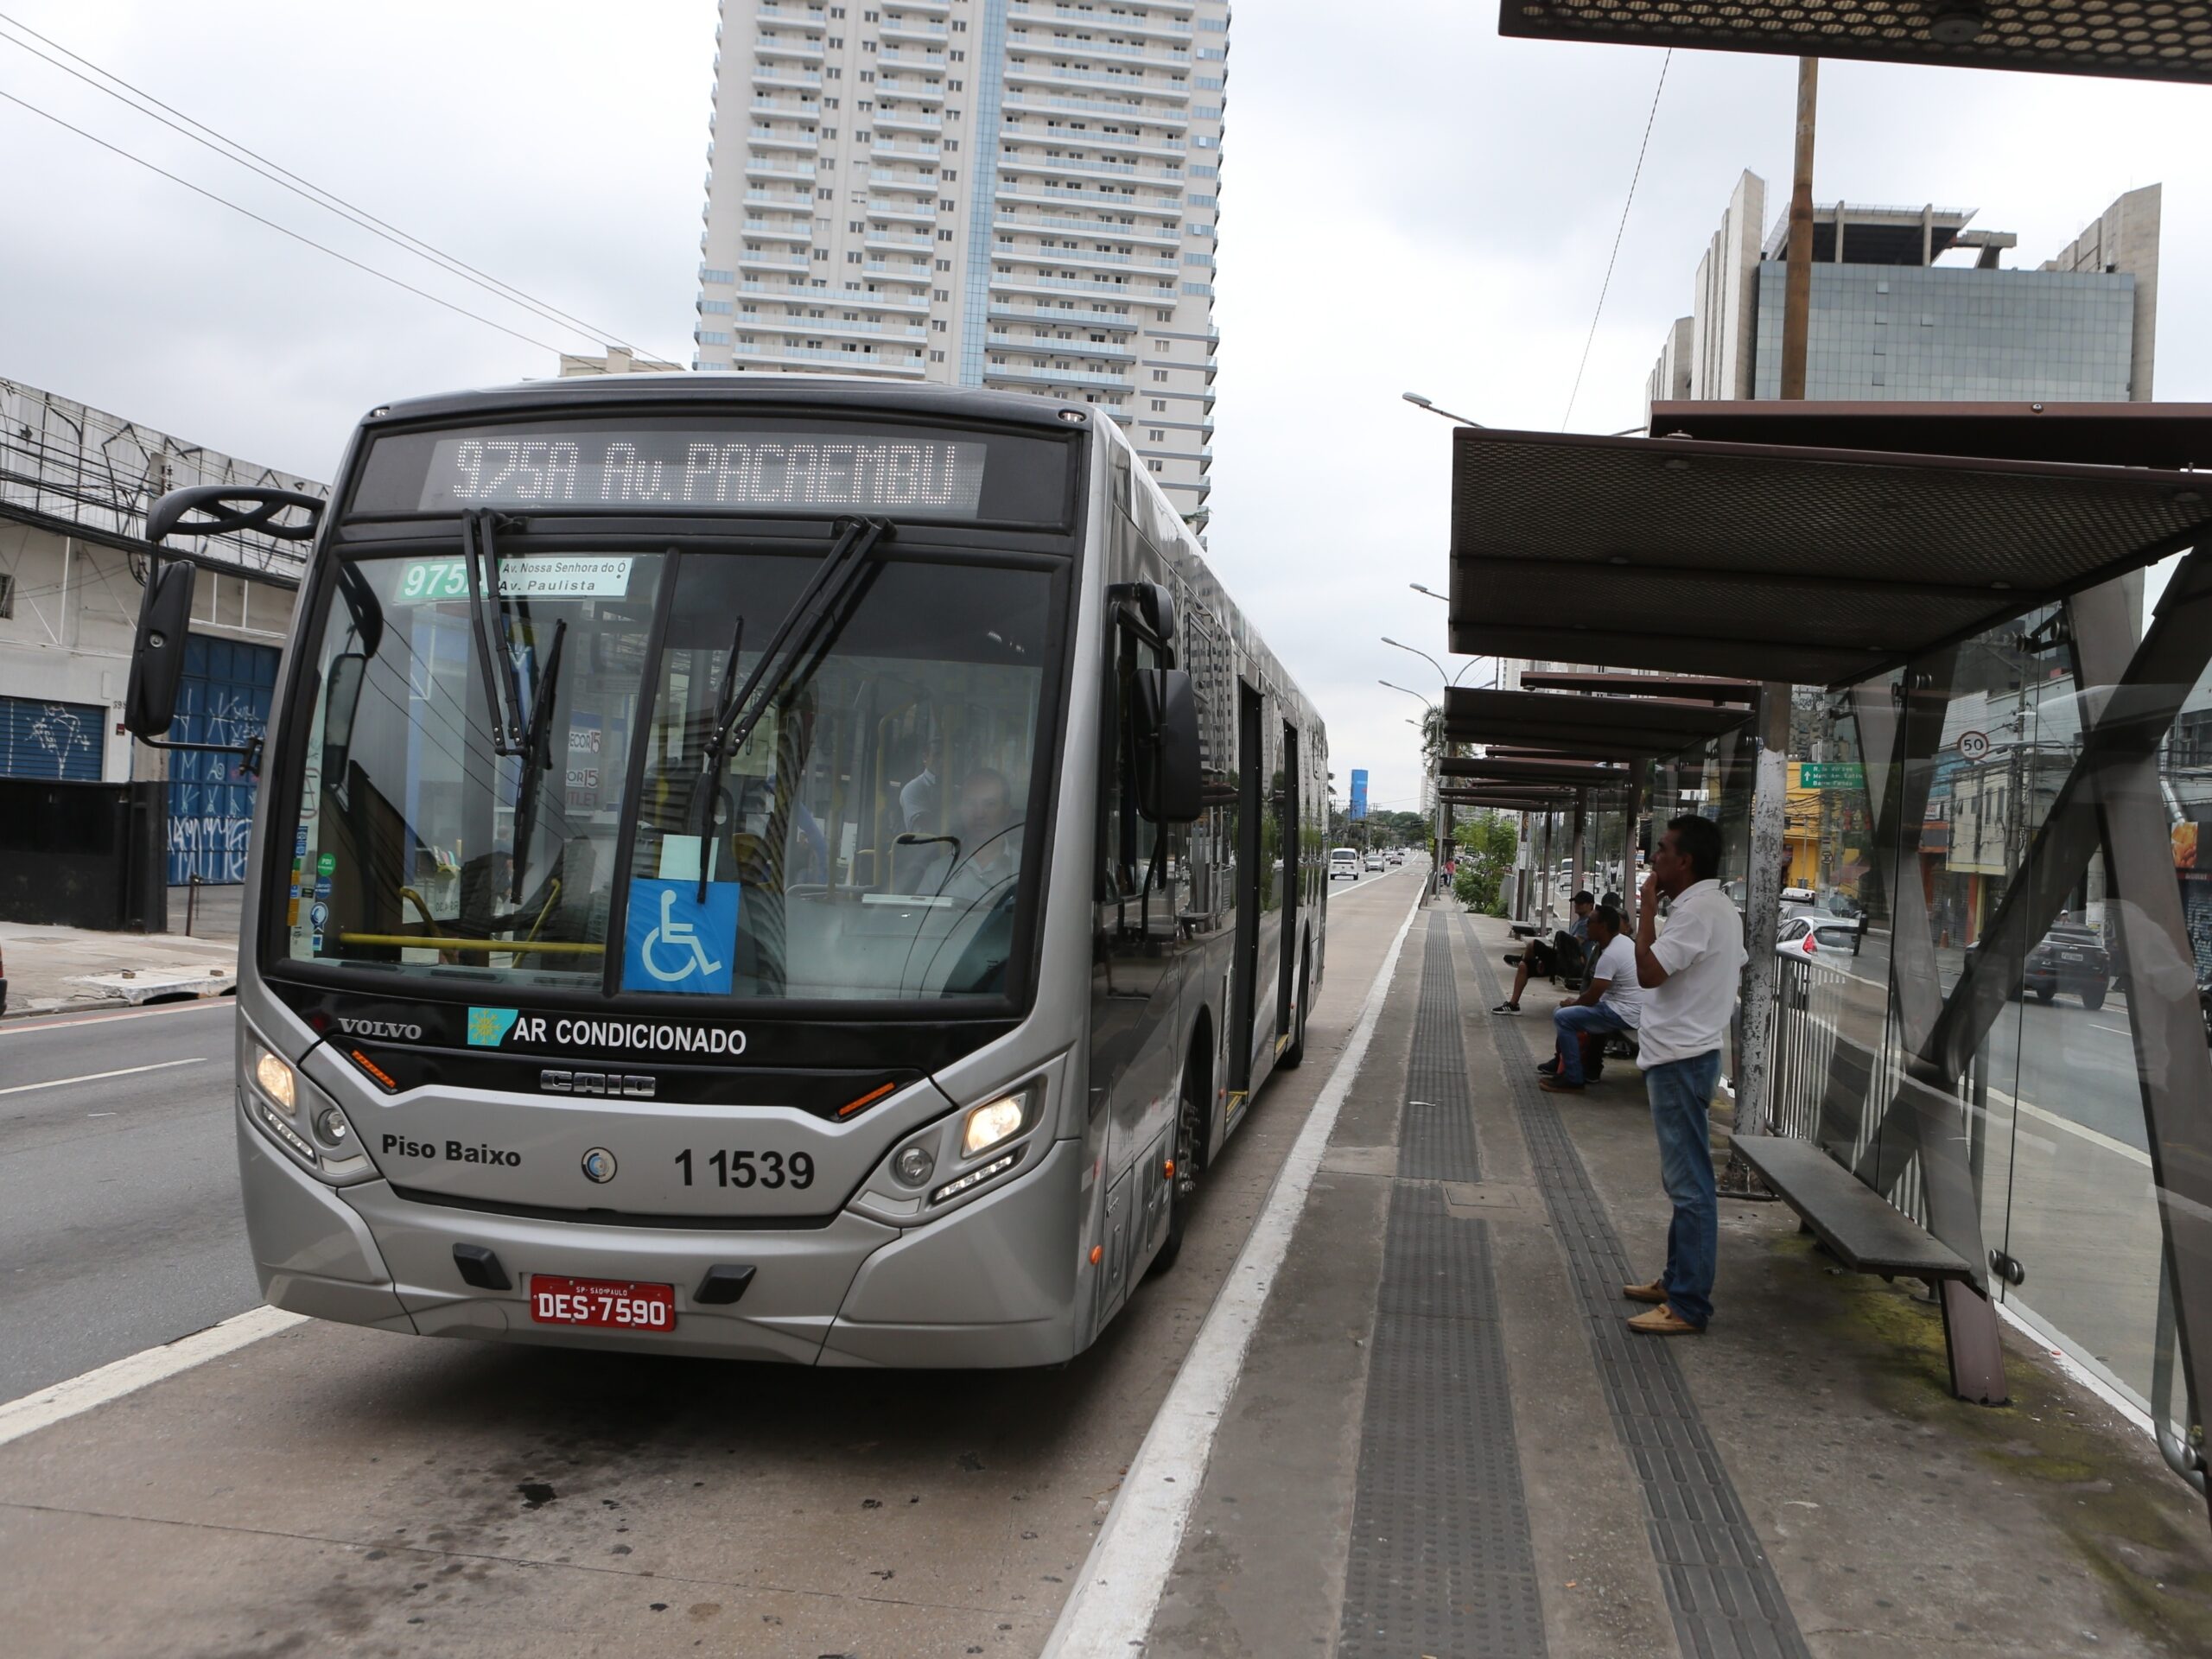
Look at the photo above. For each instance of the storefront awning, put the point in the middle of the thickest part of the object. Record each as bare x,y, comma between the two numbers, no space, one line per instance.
1778,563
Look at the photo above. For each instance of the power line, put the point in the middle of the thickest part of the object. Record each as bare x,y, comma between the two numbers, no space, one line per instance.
1618,231
306,189
197,190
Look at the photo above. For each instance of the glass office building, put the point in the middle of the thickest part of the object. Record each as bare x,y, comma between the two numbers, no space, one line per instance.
1952,333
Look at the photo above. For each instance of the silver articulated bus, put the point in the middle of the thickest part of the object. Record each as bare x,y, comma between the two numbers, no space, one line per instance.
800,869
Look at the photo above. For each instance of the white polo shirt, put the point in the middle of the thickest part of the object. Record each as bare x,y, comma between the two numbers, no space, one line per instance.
1616,964
1701,948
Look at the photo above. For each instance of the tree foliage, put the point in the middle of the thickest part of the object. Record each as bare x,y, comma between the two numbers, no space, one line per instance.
1486,845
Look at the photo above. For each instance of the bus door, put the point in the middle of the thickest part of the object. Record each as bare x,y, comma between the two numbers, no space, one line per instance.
1251,880
1288,838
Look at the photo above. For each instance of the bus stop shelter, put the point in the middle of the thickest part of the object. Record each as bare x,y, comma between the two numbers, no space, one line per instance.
1866,571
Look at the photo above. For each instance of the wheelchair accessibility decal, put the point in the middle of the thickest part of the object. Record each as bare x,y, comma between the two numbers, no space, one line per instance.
674,943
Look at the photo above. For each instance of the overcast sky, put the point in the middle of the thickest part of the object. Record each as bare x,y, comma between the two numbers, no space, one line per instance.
1410,203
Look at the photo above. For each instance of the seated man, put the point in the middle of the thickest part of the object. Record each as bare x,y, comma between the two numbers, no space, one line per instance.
1546,959
1611,1000
986,849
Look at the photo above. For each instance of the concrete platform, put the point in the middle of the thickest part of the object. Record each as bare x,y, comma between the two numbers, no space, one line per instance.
1444,1443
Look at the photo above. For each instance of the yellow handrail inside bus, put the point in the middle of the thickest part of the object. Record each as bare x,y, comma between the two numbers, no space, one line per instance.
427,942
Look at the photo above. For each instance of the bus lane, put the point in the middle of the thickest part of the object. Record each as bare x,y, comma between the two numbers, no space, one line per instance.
333,1486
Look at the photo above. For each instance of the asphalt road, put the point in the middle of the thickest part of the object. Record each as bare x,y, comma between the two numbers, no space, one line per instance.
119,1220
330,1488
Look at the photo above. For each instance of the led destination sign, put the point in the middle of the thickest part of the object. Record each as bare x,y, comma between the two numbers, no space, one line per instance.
630,467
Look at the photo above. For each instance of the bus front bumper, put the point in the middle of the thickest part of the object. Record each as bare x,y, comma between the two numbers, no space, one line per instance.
996,1283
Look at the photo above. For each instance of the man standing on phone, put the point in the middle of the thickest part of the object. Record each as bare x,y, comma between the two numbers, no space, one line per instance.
1689,976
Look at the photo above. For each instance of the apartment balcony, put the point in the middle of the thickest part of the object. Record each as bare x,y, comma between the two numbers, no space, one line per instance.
790,48
1035,223
1036,72
768,138
914,212
1065,319
1045,165
914,91
1082,257
1170,30
1029,282
797,201
913,28
922,121
782,73
917,271
771,11
769,109
778,167
883,150
781,230
1058,347
1034,376
1110,200
865,328
929,62
764,259
901,241
1156,55
924,8
1041,103
847,362
883,178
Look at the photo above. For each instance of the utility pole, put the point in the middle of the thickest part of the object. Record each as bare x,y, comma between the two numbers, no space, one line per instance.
1771,744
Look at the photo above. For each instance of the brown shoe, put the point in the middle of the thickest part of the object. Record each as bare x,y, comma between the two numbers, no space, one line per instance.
1654,1291
1663,1321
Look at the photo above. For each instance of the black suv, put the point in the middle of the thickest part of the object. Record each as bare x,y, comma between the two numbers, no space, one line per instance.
2069,959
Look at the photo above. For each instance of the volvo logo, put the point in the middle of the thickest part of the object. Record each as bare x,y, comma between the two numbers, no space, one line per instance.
599,1166
380,1028
627,1085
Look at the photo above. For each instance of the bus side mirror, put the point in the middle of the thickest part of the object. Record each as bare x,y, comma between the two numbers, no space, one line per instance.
341,697
1165,713
157,655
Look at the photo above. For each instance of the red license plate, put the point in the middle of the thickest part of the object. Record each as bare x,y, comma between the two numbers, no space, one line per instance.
602,1304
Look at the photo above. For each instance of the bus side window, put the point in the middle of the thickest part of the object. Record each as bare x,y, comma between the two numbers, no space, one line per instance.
1130,839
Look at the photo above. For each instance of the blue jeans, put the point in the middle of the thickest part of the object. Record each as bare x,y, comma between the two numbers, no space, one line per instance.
1681,1090
1571,1022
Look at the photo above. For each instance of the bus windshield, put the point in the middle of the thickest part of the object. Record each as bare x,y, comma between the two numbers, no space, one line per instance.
866,842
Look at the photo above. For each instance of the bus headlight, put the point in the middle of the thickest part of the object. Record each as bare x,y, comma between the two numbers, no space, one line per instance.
993,1122
273,1077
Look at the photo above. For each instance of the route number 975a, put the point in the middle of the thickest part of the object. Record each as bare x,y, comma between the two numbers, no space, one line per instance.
742,1169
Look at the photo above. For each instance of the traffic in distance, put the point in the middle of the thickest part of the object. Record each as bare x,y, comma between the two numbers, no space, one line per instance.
812,873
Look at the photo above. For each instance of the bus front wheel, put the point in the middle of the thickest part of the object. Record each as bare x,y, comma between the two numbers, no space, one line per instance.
1189,1153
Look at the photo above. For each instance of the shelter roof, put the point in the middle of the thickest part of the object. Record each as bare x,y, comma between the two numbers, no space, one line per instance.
1579,774
1778,563
2070,37
1601,727
2173,435
1702,687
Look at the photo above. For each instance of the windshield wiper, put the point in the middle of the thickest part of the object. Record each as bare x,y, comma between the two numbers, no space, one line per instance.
538,757
502,688
813,621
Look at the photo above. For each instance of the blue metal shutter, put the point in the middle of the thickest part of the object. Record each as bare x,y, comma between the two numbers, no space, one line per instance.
225,698
61,740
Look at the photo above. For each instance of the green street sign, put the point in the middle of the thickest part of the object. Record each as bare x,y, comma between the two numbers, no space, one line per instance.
1832,774
326,864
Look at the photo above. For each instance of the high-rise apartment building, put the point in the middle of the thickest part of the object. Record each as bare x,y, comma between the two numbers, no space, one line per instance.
1888,321
1014,194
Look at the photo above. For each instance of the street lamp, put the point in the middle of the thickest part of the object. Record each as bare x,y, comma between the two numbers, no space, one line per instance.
1431,592
1449,679
1420,402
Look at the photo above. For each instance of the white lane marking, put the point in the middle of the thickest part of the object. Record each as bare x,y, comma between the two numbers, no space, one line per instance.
1111,1609
98,1077
43,1408
31,1027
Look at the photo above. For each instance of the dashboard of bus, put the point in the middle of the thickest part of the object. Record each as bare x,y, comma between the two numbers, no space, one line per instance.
782,762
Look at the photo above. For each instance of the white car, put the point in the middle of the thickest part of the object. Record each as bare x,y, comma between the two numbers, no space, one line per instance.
1810,937
1344,860
1375,862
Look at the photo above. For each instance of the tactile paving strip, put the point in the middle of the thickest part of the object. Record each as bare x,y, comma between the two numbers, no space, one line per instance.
1441,1561
1723,1593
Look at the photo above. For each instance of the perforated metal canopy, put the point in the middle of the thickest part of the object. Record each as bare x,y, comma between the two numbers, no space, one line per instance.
1776,562
1583,774
2147,40
1698,687
1607,727
2111,434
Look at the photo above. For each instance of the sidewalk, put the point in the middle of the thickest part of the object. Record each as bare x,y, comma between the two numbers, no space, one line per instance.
52,968
1446,1442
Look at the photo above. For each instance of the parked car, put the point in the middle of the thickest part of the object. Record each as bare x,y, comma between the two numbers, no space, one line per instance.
1808,935
1344,860
2070,958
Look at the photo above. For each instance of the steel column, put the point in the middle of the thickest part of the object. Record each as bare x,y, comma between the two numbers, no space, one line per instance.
1763,906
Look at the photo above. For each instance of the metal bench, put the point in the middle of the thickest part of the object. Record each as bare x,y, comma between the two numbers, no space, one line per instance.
1859,1227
